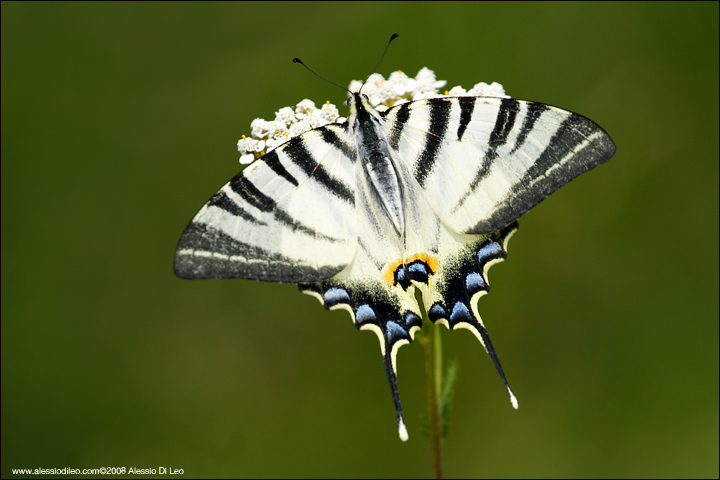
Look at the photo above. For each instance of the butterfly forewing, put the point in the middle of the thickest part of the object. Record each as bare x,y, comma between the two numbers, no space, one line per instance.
483,161
288,217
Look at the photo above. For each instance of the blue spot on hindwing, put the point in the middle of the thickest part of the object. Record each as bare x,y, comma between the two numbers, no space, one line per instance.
474,282
412,320
418,271
490,251
460,313
334,296
365,314
437,311
395,332
401,278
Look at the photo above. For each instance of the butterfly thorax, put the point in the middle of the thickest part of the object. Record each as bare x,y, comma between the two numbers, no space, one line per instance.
372,147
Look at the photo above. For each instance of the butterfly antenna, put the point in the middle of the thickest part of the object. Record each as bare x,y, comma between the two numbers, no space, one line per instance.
297,60
392,37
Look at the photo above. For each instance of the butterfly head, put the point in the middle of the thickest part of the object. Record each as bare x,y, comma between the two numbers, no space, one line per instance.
361,110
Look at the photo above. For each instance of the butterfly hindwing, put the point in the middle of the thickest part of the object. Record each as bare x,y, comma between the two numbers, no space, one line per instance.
288,217
452,274
484,161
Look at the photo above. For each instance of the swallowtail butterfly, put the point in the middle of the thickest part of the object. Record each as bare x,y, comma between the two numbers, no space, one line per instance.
361,213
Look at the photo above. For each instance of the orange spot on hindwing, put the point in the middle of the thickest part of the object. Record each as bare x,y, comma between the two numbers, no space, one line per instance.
396,271
432,263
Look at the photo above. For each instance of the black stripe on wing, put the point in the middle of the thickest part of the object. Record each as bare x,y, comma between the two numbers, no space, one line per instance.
222,201
330,137
504,123
467,105
297,151
533,112
557,165
273,161
244,187
241,185
205,252
439,118
575,130
402,115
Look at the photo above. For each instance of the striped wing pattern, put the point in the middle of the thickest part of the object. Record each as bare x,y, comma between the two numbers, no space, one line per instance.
521,152
424,196
288,217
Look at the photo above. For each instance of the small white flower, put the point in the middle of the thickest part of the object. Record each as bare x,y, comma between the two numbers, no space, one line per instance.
316,119
355,86
482,89
281,139
250,149
246,145
260,128
457,92
305,107
497,90
424,74
426,82
402,84
375,79
479,89
247,158
277,128
299,128
382,93
285,115
329,112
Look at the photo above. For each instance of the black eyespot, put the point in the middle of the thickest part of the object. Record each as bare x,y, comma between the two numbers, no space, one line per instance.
347,102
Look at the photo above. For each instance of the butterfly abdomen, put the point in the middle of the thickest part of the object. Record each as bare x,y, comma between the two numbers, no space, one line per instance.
374,152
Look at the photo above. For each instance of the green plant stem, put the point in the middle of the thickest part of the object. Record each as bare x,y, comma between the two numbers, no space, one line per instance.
432,351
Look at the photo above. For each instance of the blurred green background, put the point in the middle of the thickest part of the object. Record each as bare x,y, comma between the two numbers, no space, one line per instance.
120,120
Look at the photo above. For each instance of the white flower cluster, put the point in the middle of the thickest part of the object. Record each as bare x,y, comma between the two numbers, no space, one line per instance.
397,89
288,123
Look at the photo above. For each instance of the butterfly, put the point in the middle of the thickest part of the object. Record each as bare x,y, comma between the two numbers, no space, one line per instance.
424,195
